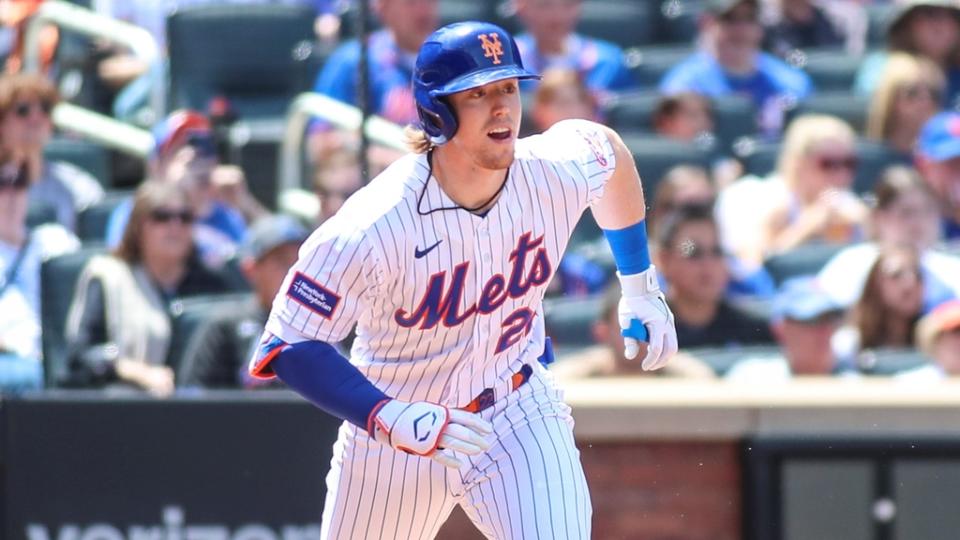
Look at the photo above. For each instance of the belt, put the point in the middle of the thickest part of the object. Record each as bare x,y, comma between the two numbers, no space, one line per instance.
486,398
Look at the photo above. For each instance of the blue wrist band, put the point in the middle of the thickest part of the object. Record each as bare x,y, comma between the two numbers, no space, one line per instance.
629,246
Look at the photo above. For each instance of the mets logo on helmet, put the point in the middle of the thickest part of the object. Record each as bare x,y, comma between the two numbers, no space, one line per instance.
492,48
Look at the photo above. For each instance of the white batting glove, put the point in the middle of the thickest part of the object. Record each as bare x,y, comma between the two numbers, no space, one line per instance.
430,430
645,316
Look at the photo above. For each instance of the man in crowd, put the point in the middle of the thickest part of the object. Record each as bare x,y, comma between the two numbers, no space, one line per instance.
217,354
938,160
549,41
731,63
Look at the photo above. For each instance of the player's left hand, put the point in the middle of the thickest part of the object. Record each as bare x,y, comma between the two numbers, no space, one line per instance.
645,316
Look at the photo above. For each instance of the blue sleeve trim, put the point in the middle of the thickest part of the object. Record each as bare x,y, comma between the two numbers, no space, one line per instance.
328,380
629,246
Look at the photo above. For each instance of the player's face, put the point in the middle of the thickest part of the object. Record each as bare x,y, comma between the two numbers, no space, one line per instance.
489,120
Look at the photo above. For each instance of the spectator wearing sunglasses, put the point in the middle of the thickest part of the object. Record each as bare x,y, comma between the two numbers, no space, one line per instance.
903,211
185,153
809,197
731,62
907,95
118,328
927,28
26,103
691,260
886,314
22,251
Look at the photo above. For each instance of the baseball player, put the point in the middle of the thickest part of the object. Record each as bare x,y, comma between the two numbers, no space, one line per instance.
442,262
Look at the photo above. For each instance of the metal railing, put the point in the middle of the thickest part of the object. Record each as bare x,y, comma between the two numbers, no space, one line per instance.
338,114
103,129
89,23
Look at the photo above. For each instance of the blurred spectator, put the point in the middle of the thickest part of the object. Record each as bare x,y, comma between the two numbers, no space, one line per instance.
392,52
335,180
886,314
21,253
606,358
928,28
803,320
185,154
683,185
800,24
732,63
904,212
938,160
938,337
691,260
230,187
808,199
118,328
218,353
26,101
16,14
683,116
907,95
561,95
549,41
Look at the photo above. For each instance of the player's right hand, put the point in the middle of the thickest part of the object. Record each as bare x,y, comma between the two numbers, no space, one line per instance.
430,430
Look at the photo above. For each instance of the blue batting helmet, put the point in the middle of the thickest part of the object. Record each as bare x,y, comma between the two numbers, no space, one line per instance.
458,57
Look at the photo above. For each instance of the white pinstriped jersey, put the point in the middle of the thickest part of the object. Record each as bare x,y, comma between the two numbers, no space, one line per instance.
446,302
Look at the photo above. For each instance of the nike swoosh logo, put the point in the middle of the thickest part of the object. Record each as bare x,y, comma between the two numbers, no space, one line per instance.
420,253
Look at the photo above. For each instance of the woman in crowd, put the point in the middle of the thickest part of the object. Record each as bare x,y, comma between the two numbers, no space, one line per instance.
807,199
908,94
118,328
887,312
928,28
904,211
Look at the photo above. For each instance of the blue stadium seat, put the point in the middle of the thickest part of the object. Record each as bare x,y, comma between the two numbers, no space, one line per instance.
655,156
89,156
804,260
678,20
257,56
843,104
627,23
92,221
830,69
650,63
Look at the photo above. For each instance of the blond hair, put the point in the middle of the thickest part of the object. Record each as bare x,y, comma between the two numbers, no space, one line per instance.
900,70
803,134
416,140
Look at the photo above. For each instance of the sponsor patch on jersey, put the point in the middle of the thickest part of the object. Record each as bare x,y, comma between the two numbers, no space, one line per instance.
313,296
595,145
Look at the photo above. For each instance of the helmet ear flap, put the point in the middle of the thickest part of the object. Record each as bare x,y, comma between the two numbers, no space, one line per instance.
437,120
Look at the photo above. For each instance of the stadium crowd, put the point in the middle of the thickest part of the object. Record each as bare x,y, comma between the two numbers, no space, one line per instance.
801,162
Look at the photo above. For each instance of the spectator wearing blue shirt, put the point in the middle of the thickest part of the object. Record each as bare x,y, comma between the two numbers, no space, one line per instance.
392,52
731,63
549,41
185,153
938,160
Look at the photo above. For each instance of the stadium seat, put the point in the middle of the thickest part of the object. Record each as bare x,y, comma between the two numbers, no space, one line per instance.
568,320
734,118
878,17
677,20
759,158
189,316
804,260
89,156
58,280
466,10
628,23
849,107
632,112
92,222
655,156
40,213
256,56
888,361
650,63
830,69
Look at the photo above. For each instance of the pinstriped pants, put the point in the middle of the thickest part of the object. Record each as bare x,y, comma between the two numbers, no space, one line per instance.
529,485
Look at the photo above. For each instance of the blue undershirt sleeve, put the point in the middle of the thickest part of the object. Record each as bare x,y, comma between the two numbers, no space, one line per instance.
328,380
